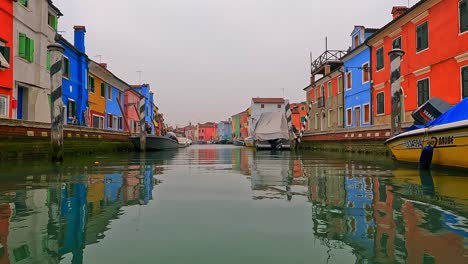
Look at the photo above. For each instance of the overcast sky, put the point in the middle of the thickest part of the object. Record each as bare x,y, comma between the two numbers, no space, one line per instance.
206,59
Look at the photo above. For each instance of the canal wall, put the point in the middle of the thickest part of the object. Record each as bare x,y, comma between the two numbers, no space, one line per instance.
21,139
368,140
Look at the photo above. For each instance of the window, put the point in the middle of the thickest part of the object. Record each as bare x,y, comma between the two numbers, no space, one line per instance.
66,68
340,116
279,106
367,113
329,121
329,89
26,47
422,37
349,117
463,9
98,121
120,123
303,119
380,103
109,92
115,121
71,109
365,73
465,82
91,83
5,51
316,120
3,106
349,80
356,41
316,94
423,91
109,121
340,84
380,58
24,2
52,20
262,106
103,89
396,43
302,108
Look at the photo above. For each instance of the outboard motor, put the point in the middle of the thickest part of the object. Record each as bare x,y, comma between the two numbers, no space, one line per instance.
430,110
276,144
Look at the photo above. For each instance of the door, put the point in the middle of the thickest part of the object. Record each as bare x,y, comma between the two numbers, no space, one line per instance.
357,116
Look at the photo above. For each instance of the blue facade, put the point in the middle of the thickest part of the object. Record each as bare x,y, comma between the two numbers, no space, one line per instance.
224,131
74,86
113,109
145,90
357,81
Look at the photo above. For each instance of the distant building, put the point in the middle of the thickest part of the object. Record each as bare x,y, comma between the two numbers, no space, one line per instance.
34,28
6,59
299,113
75,79
190,132
207,132
264,105
225,131
244,118
235,127
357,92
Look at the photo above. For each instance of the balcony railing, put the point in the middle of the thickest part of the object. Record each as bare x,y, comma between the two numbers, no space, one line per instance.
327,56
321,102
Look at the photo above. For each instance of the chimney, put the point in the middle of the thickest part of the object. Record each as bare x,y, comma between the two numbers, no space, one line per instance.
104,65
398,11
327,69
80,38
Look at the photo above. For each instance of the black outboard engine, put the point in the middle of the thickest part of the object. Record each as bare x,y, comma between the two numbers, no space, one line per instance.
276,144
430,110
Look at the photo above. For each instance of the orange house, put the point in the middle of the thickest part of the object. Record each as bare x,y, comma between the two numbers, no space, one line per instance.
299,113
244,123
434,36
97,101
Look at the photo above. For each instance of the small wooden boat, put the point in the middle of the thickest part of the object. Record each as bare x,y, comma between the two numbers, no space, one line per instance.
154,143
447,135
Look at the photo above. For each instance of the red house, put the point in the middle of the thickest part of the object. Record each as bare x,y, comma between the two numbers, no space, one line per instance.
131,102
207,132
434,36
299,113
6,58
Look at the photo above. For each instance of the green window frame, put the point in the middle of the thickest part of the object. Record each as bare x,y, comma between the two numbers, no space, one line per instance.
465,82
26,47
91,83
463,12
340,84
422,37
423,91
24,2
49,61
52,20
66,68
380,58
380,103
329,86
103,90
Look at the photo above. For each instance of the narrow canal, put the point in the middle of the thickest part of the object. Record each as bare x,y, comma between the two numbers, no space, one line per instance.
226,204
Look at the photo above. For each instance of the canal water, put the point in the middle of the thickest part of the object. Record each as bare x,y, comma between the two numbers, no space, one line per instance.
226,204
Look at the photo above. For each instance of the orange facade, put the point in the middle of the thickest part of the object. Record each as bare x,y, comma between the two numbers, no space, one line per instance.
299,112
97,102
6,50
244,124
439,63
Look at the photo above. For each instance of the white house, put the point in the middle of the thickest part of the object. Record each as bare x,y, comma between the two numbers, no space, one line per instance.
264,105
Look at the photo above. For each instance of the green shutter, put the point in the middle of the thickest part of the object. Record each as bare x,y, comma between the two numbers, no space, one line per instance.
380,103
48,60
22,45
55,22
422,37
30,50
423,91
465,81
463,16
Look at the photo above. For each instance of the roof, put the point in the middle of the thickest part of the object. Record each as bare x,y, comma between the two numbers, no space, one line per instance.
207,124
59,37
135,86
54,8
371,30
98,66
268,100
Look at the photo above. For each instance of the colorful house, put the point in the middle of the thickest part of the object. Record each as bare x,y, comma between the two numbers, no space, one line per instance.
434,36
6,59
225,131
131,101
190,132
207,132
244,118
325,92
34,28
75,79
145,91
264,105
236,127
96,96
299,113
357,92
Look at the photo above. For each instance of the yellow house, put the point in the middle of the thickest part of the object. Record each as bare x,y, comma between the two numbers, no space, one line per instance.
97,101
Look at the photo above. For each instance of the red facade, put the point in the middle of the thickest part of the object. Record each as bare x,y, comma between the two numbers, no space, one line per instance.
439,64
132,100
299,112
6,49
244,124
207,132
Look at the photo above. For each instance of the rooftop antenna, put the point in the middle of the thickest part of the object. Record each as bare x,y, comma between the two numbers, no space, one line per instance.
100,58
283,92
139,76
326,43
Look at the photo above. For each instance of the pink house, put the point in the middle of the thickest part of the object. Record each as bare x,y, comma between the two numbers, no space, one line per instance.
132,99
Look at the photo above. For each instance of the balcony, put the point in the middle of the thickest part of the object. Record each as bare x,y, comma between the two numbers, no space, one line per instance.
321,102
328,57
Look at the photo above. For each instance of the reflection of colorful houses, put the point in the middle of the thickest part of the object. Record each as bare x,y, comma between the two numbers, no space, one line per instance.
95,193
5,214
112,188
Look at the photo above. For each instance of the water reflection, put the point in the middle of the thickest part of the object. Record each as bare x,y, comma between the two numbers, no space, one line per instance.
45,217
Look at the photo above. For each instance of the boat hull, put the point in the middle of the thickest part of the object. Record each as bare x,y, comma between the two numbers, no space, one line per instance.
265,145
450,144
155,143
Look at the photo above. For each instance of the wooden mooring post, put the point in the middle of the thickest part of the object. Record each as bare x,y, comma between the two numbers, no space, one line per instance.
142,124
56,107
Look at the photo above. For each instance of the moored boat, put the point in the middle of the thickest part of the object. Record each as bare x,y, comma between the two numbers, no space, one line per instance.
271,132
154,143
183,142
447,135
249,142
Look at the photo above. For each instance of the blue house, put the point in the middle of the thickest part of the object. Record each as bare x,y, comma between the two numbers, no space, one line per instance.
114,107
357,92
145,90
225,131
75,76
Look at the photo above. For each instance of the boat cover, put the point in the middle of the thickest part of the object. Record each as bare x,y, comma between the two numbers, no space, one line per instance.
271,125
458,112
